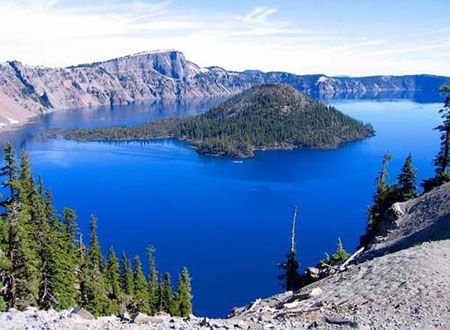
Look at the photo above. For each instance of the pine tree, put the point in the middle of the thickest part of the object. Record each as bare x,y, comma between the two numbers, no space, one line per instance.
25,245
11,208
67,257
112,279
292,278
406,181
126,278
50,212
383,194
26,181
43,236
339,256
184,295
153,286
83,272
94,298
442,159
63,258
95,253
58,259
141,297
168,302
5,264
70,223
9,172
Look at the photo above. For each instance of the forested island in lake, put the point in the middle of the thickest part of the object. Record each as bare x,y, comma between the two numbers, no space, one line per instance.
268,116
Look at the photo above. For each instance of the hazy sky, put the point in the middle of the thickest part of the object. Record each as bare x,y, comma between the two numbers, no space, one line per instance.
334,37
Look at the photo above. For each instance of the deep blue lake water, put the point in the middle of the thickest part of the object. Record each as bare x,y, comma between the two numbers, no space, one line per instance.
227,221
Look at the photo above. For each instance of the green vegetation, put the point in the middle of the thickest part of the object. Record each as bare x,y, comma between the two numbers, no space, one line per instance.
45,263
337,257
387,194
262,117
442,159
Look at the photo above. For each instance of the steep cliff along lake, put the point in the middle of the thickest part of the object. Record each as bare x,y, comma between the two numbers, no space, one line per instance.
228,221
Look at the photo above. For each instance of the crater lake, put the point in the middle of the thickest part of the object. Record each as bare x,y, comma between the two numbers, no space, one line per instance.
227,220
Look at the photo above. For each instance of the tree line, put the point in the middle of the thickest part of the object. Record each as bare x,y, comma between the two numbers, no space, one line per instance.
44,261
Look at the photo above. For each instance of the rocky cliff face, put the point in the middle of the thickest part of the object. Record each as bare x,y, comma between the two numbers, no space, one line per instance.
27,91
405,289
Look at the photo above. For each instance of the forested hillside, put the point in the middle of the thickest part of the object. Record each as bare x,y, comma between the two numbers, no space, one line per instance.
271,116
46,262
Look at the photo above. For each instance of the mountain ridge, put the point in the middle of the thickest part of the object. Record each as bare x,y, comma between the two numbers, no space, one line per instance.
27,91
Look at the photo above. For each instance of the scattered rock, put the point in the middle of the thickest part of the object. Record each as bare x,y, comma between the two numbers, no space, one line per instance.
125,317
398,210
140,318
240,325
312,272
66,313
204,322
292,304
340,320
83,314
316,292
164,314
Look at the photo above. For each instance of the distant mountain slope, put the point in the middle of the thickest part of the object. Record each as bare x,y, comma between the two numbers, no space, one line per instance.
27,91
268,116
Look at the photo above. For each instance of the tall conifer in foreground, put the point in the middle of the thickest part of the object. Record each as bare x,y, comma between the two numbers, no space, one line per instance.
406,181
442,159
67,256
25,259
126,277
168,301
382,195
141,297
153,286
95,299
112,282
184,295
291,276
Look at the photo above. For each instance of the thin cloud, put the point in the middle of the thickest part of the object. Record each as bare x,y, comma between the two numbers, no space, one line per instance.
259,14
66,32
408,49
